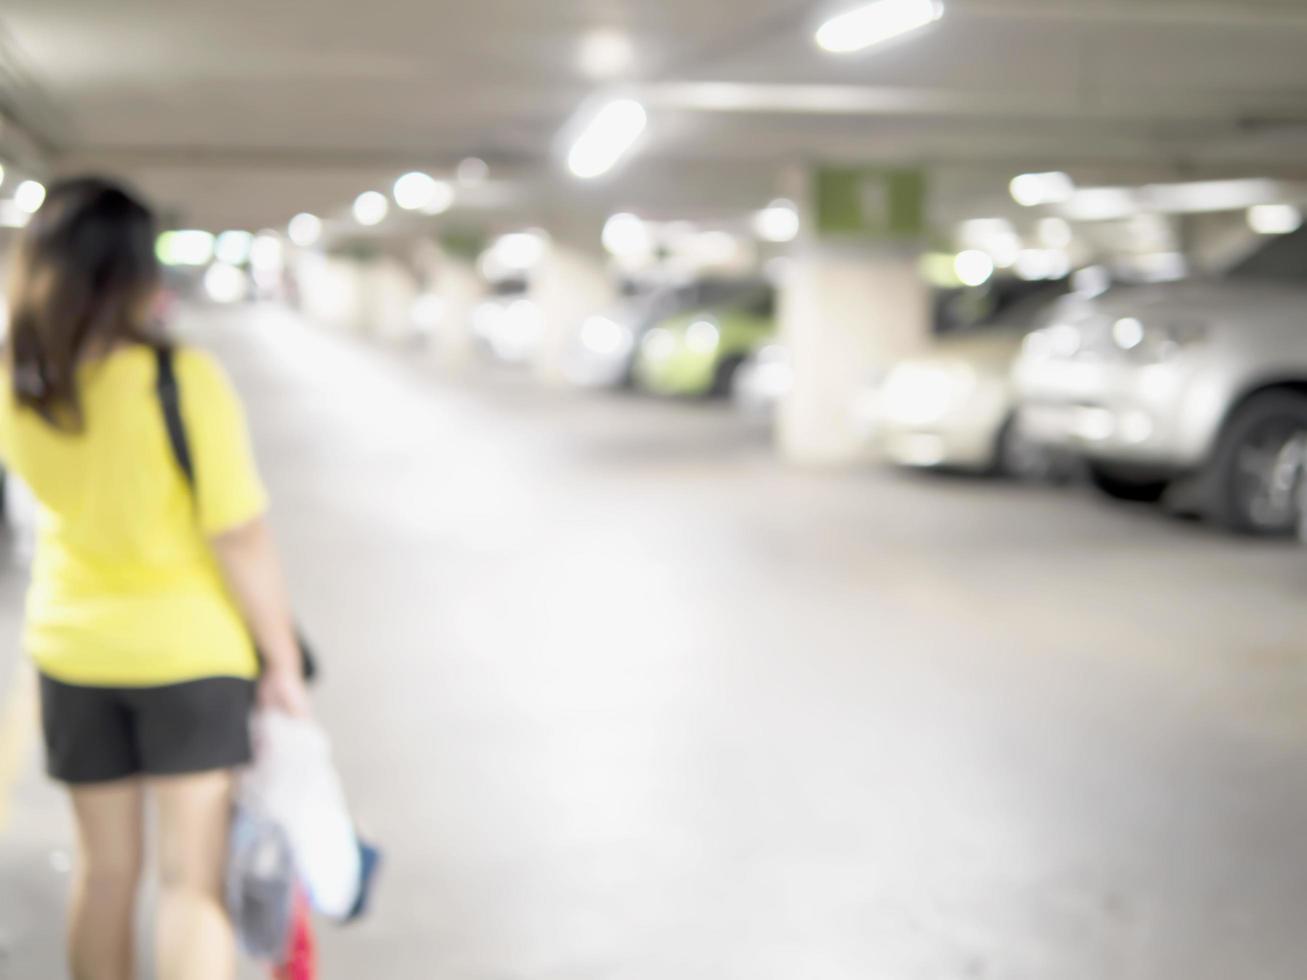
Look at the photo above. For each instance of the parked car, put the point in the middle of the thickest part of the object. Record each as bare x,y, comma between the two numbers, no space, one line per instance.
699,353
507,324
603,349
1194,391
954,406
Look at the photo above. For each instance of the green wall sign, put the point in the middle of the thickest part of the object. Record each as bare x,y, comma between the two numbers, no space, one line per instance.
877,203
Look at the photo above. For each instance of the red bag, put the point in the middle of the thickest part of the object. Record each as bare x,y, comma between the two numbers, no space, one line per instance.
301,962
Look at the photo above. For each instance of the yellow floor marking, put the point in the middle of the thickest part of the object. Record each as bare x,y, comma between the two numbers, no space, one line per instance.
17,727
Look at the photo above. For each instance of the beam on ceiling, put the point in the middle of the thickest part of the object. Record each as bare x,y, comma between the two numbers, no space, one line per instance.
1210,13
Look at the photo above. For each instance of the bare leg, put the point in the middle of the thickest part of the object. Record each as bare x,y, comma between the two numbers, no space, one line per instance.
194,936
101,919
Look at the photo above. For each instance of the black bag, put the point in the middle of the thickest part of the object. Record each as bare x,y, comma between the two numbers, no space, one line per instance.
169,393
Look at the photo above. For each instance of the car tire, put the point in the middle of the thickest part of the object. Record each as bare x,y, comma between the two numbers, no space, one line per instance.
1120,485
1251,482
1018,457
724,376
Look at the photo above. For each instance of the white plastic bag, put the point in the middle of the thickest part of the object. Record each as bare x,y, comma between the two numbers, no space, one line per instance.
294,784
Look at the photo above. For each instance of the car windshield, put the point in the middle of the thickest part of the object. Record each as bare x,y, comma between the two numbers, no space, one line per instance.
1282,259
1014,305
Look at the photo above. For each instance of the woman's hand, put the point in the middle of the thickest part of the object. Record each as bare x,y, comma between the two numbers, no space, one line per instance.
285,691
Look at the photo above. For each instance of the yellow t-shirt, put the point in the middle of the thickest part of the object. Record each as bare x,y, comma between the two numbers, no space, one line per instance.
125,590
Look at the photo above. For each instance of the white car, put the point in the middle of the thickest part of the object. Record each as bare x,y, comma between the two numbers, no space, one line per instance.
1196,391
954,405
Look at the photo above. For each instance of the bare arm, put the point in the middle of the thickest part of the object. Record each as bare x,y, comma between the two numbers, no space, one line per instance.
252,570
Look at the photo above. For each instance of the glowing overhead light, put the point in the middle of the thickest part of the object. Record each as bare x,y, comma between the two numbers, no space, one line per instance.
1100,204
519,251
875,23
473,171
606,53
1274,219
12,217
777,222
233,247
1128,333
1032,190
188,247
305,229
370,208
627,236
607,138
603,336
29,196
225,283
421,192
266,252
973,267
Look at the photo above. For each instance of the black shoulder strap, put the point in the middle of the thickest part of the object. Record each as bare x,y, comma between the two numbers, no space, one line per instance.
170,401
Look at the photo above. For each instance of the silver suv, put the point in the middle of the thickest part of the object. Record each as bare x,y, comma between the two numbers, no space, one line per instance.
1196,391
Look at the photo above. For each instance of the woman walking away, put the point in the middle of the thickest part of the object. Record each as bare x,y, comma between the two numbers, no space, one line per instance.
147,599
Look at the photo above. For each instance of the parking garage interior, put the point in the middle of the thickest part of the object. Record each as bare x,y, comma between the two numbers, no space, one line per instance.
777,489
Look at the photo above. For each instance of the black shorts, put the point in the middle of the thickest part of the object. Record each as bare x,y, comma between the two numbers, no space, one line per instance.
100,734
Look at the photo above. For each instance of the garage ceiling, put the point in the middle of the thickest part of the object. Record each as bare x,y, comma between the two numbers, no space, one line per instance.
244,112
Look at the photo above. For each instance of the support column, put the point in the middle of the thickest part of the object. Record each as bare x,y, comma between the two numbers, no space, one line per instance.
569,284
852,303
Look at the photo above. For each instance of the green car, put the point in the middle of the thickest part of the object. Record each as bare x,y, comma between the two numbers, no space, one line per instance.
697,354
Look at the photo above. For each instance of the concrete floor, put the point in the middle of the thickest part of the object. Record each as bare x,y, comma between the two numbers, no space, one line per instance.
627,699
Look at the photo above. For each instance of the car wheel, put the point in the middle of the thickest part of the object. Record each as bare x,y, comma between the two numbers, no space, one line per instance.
1121,485
1254,475
1018,457
724,376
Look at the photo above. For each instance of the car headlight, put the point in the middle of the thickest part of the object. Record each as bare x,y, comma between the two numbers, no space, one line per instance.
702,336
1152,342
922,393
659,345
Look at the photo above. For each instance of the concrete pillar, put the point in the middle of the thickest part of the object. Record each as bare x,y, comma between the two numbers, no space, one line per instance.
568,285
389,291
330,290
851,303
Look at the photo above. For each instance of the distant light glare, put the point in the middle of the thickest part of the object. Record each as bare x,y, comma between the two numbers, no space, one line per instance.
1043,263
1275,219
606,54
1128,333
473,171
417,191
186,247
603,336
29,196
225,283
520,251
1032,190
876,23
607,138
305,230
2,174
778,222
233,247
1055,232
628,236
370,208
973,267
266,253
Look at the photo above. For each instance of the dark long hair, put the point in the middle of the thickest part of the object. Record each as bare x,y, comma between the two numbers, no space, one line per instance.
83,280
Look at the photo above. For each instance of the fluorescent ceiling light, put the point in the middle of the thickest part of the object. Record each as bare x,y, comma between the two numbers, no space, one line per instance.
305,229
875,23
627,236
233,247
973,267
1032,190
607,138
370,208
1274,219
187,247
420,192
